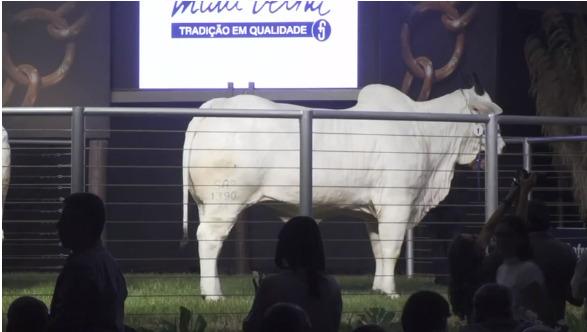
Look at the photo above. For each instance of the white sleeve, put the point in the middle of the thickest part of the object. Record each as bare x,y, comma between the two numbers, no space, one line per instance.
529,274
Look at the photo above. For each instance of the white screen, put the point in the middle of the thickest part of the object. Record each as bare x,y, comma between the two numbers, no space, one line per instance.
275,44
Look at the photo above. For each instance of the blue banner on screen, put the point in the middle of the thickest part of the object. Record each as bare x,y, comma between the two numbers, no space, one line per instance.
241,30
275,44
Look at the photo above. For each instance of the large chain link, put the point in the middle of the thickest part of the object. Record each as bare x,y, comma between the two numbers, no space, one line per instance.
28,75
422,67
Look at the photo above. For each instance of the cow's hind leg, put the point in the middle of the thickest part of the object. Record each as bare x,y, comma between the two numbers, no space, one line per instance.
215,225
393,222
373,232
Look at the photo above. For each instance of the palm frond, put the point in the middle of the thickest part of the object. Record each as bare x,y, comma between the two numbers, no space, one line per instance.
558,76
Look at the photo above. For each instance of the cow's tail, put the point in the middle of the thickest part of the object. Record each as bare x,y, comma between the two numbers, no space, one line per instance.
186,183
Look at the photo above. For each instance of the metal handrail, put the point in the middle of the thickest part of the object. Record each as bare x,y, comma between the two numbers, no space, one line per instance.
306,116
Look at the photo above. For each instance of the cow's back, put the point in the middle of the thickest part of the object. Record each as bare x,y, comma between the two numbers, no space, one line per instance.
356,162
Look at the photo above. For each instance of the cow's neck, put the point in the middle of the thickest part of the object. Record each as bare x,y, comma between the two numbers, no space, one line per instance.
453,103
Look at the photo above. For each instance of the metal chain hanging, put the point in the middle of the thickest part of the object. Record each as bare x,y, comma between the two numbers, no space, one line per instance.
27,75
422,66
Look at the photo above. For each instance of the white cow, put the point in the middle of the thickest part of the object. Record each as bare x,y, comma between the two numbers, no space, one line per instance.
5,164
394,171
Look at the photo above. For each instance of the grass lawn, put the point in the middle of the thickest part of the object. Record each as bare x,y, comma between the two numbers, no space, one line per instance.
154,299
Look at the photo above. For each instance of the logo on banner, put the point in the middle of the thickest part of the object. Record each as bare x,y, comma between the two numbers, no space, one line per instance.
321,30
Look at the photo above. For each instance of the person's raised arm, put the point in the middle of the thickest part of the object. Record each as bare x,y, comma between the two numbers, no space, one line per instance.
489,227
526,185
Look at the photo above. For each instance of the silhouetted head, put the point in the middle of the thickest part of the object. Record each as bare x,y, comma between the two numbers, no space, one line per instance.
511,237
81,222
492,302
539,328
285,317
465,256
369,328
538,216
27,314
425,311
299,245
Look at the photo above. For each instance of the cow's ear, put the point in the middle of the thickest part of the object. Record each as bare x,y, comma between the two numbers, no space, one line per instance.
482,106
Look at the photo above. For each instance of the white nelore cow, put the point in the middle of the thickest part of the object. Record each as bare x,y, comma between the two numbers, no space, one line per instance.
394,171
5,164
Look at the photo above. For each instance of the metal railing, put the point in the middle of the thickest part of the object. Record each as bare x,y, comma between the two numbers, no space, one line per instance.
305,118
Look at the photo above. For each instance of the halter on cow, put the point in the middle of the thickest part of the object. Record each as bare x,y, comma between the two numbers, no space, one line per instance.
394,171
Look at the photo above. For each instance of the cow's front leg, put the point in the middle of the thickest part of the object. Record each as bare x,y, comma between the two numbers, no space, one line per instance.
373,232
211,236
393,222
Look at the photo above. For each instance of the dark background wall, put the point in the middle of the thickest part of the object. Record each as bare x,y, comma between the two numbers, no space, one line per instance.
144,185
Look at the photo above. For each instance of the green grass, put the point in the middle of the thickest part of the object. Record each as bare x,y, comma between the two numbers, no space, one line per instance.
154,298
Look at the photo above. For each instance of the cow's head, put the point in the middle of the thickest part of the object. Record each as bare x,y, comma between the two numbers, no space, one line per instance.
477,101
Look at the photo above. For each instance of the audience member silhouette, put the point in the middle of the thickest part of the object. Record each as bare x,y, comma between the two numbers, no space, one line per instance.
469,266
539,328
425,311
492,311
27,314
90,290
285,317
579,282
300,256
517,272
465,258
369,328
556,260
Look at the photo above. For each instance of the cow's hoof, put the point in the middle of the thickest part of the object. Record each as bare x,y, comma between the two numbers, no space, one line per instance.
213,298
378,290
393,296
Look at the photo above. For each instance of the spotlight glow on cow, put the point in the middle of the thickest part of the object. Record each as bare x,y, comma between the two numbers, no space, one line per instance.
395,171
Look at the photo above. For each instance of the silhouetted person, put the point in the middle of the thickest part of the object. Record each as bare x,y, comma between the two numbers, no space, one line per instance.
27,314
90,290
369,328
425,311
579,282
469,266
285,317
518,272
538,328
465,258
493,311
300,256
556,260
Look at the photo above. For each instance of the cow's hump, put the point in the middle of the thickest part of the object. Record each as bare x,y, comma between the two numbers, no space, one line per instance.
240,102
383,97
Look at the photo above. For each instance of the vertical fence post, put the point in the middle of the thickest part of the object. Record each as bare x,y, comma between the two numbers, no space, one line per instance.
78,166
527,159
96,181
410,253
491,195
306,163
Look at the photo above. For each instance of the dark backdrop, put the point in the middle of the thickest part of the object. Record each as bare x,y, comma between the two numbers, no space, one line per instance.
143,193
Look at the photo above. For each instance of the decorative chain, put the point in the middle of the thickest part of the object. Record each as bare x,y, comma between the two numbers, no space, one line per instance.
422,67
28,75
